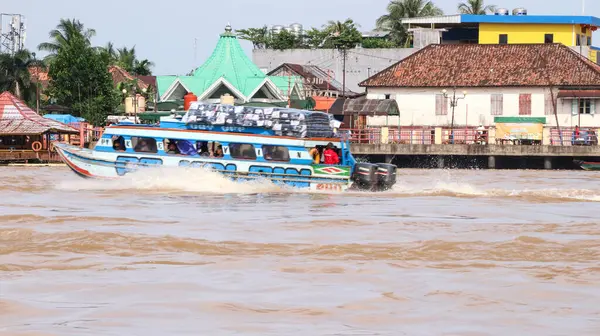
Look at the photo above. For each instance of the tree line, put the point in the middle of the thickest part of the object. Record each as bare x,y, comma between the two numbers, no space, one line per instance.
78,72
341,35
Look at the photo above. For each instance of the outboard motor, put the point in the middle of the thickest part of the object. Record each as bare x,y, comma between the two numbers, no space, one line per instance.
386,176
364,176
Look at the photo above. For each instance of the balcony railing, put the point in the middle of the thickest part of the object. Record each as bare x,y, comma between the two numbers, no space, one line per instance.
427,135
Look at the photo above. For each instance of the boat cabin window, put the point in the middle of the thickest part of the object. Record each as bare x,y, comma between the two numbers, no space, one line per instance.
171,147
118,143
276,153
242,151
144,145
209,149
179,147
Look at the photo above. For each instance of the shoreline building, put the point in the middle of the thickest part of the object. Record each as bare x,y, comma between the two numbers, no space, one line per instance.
229,71
514,80
502,27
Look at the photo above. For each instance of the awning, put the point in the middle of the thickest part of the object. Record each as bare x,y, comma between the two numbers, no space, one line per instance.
323,103
367,107
574,94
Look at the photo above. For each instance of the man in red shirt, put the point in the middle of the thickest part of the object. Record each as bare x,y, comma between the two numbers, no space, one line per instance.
330,156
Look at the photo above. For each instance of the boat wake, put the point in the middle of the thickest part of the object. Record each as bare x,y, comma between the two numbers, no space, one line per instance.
178,180
456,189
174,179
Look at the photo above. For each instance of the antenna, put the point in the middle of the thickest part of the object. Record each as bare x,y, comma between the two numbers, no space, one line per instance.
12,33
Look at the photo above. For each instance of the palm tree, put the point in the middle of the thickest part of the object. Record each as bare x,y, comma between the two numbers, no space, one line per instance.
108,53
343,35
126,58
258,36
475,7
402,9
66,31
142,68
14,73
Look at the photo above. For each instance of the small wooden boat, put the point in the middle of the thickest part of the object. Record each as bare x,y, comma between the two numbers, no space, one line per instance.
588,165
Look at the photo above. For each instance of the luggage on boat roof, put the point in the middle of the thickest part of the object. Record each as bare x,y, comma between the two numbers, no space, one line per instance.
282,121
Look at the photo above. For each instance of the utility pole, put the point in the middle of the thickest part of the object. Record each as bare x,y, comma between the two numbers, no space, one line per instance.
344,55
453,104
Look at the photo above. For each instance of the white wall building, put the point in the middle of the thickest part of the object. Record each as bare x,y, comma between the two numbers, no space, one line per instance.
507,81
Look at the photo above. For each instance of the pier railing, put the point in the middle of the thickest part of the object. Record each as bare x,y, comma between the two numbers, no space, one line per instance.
427,135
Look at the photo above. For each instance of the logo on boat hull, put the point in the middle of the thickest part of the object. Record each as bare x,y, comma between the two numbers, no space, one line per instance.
329,170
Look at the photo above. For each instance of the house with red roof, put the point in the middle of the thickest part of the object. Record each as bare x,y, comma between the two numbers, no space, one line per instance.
500,80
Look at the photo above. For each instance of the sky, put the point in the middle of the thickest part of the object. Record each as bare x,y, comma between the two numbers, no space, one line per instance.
164,31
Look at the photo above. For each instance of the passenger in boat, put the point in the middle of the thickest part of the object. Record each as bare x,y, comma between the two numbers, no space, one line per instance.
172,148
203,149
118,144
219,152
118,147
142,146
331,157
186,147
316,156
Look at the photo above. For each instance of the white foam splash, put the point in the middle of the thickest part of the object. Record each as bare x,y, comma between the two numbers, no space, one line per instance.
179,179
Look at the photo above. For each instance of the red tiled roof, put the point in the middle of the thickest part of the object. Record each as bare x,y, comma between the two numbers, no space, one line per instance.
314,76
469,65
119,75
37,74
18,118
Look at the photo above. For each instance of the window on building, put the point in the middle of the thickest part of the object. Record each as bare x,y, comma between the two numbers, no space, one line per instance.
144,145
503,39
589,40
441,104
525,104
497,104
549,38
578,41
275,153
387,96
242,151
587,106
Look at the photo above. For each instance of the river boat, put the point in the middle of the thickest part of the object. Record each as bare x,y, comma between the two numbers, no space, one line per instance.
588,165
242,153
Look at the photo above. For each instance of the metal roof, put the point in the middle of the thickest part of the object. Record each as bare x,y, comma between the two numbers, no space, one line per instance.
531,19
18,118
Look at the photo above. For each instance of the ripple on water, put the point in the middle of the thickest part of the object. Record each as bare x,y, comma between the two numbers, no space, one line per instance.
187,252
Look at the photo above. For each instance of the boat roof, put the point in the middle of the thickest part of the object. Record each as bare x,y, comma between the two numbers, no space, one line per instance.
116,129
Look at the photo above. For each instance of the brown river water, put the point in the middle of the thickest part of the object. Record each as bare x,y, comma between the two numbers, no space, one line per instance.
172,252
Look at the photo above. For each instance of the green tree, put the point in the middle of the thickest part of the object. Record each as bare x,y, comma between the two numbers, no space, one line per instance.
66,32
372,43
315,38
80,80
258,36
402,9
126,58
285,40
108,53
476,7
343,35
15,76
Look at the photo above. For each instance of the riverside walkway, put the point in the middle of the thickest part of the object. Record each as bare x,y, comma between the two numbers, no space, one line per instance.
436,143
